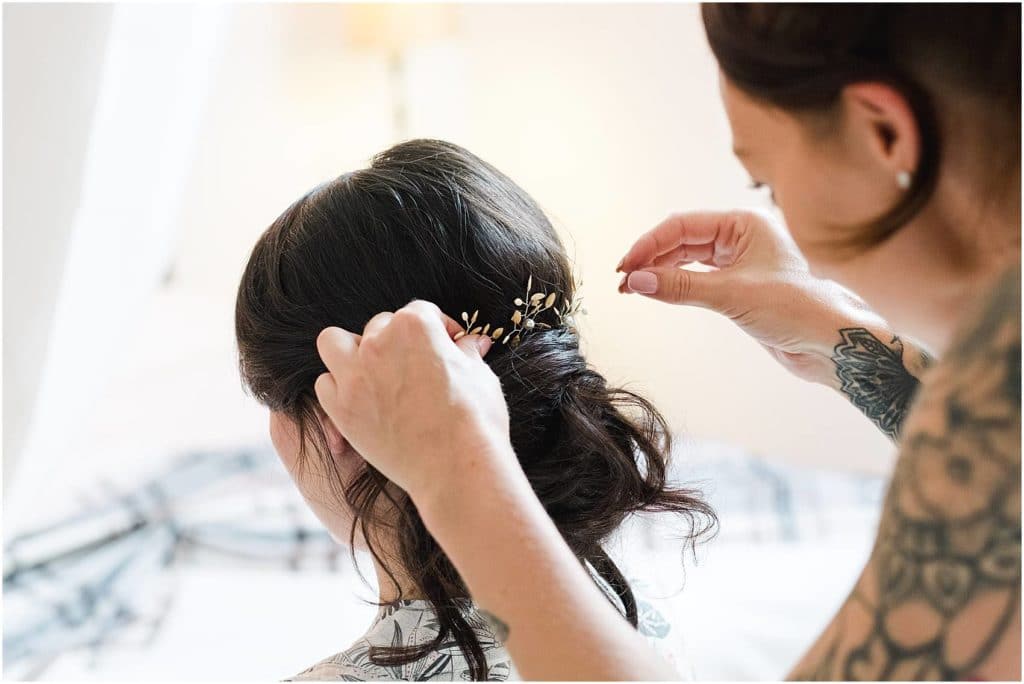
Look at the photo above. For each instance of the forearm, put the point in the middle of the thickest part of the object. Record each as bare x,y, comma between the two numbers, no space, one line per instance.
879,373
519,569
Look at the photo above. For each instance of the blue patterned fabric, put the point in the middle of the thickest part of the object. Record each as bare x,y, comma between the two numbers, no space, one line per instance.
103,578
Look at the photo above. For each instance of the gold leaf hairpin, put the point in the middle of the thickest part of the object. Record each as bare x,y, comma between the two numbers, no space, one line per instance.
524,317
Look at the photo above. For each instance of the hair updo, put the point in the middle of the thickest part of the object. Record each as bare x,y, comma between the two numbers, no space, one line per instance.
428,220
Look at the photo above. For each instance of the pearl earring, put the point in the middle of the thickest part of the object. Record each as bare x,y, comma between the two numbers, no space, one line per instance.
903,180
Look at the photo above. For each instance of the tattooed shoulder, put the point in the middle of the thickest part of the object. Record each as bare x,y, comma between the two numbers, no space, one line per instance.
940,597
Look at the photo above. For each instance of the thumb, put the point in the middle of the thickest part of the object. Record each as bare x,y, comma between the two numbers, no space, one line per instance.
326,389
680,286
475,346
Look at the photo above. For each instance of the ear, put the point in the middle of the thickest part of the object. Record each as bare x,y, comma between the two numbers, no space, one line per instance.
336,442
880,116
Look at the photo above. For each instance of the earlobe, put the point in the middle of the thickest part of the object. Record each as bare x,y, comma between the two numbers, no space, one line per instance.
884,116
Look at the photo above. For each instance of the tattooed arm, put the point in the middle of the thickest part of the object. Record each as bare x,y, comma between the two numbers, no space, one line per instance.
815,328
940,596
880,378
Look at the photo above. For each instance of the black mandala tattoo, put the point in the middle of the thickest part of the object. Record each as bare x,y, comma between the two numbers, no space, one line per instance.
871,373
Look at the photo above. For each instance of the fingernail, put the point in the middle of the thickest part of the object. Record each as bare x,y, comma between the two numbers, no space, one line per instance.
643,282
622,283
619,267
484,343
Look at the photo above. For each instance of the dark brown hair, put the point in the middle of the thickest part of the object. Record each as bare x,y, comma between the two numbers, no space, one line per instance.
800,56
428,220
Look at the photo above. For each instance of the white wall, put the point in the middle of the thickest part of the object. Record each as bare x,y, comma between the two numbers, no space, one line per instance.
52,60
608,114
88,254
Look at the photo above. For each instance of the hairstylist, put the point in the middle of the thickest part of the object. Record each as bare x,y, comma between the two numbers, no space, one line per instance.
889,136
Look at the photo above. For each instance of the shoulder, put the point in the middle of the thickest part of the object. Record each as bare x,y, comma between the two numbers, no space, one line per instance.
974,393
998,315
994,327
341,667
394,626
948,549
653,624
955,492
940,596
411,623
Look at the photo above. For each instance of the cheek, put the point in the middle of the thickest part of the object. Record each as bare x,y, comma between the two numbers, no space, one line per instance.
349,466
312,480
816,212
827,196
285,438
806,202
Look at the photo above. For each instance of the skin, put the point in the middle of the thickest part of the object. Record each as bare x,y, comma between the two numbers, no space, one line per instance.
504,544
336,516
948,255
939,596
959,465
916,632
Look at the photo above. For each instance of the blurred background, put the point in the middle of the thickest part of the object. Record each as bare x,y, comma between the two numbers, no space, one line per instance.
148,529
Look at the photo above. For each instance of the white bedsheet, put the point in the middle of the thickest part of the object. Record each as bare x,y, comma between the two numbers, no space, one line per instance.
791,544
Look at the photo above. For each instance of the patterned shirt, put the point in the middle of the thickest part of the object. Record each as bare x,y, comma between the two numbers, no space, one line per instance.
413,622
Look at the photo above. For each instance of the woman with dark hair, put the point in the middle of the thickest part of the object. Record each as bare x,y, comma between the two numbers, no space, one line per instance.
429,220
889,136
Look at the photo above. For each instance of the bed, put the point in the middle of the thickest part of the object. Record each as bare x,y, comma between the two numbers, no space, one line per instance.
211,567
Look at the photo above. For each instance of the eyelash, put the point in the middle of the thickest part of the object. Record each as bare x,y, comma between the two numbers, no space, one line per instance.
756,185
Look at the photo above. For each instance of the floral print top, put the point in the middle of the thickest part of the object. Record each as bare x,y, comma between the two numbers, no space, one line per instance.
413,622
410,623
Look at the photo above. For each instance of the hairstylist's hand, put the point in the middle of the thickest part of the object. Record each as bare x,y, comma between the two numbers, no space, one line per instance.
422,409
760,281
430,415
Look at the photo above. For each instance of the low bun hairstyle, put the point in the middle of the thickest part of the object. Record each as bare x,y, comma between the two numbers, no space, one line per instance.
799,56
428,220
593,453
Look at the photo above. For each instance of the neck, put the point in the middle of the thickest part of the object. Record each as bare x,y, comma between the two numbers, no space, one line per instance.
975,208
926,277
387,592
983,225
980,235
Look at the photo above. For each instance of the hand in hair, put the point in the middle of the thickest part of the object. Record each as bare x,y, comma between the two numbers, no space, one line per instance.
408,399
430,415
506,487
818,330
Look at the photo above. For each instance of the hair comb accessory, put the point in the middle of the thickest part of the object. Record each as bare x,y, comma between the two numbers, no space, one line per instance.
524,317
